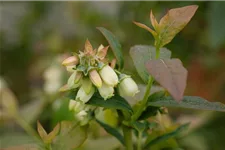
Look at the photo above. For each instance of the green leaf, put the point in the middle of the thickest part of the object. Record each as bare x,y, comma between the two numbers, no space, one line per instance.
166,136
193,102
140,54
71,136
152,110
115,102
169,73
173,22
113,131
114,44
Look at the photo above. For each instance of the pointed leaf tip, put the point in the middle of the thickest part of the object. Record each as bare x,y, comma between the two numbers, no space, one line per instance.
174,21
41,131
154,22
88,47
143,26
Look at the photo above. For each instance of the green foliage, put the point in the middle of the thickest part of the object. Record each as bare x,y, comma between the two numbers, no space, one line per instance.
193,102
113,131
115,102
143,53
114,44
167,136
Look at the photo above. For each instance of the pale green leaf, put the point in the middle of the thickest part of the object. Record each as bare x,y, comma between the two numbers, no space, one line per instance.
140,54
192,102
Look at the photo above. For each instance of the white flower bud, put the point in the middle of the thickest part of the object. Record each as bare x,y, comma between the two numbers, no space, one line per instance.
108,75
128,87
70,68
76,106
83,96
72,104
95,78
81,115
70,61
106,91
73,81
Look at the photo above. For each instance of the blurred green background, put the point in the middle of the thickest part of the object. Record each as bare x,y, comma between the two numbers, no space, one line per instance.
35,36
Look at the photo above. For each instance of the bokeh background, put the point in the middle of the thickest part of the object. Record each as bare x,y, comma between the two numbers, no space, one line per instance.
36,36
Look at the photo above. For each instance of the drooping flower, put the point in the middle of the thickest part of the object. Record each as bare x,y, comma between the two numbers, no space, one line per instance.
74,79
95,78
106,91
83,96
71,61
108,75
128,87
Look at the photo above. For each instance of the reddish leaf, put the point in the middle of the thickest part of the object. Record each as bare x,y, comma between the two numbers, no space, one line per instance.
88,47
171,74
174,21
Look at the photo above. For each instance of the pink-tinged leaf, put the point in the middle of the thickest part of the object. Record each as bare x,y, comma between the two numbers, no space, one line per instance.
171,74
88,47
113,63
174,21
154,22
101,53
145,27
52,134
41,131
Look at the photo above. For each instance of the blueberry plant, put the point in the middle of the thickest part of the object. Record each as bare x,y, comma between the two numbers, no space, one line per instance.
99,90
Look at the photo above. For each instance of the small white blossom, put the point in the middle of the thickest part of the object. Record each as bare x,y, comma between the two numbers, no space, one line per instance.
108,75
128,87
82,96
106,91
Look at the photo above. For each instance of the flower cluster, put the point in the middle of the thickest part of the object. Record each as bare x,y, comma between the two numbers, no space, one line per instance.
91,72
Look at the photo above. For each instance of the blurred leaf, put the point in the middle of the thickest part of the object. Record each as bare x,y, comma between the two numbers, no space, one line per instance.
171,74
141,54
143,26
140,126
173,22
113,131
8,101
216,24
114,44
102,143
115,102
32,110
41,131
193,102
71,136
149,111
166,136
15,140
53,134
